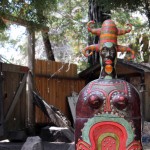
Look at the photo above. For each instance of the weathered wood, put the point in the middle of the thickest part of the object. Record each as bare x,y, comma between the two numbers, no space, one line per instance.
30,81
16,97
123,68
14,68
1,102
72,100
10,85
146,103
55,69
89,71
55,89
51,112
28,24
55,93
56,77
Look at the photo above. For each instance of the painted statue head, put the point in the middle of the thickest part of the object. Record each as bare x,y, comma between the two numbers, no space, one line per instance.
108,59
108,33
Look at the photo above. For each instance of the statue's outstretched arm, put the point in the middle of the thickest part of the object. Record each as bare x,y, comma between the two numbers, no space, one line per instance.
93,31
124,31
94,47
126,49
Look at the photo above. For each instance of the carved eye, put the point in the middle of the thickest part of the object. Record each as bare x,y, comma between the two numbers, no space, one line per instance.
120,101
104,51
95,101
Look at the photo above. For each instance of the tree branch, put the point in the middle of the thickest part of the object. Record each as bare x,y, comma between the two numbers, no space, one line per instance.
29,24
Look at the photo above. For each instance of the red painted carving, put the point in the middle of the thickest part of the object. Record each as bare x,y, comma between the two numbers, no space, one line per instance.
136,145
107,135
108,143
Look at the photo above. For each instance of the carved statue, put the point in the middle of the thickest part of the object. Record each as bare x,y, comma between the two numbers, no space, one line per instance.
108,113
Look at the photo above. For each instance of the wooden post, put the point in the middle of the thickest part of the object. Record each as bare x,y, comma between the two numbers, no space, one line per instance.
30,81
1,102
146,102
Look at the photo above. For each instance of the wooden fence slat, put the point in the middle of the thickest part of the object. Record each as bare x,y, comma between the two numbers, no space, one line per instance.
44,67
49,67
14,102
38,66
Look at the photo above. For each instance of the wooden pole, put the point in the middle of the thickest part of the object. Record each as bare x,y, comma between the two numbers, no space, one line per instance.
1,102
30,81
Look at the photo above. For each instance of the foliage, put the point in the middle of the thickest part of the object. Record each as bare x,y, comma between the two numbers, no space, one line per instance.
68,32
30,10
138,38
135,5
3,26
114,4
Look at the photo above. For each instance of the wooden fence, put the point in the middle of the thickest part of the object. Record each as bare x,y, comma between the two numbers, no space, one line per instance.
55,82
13,97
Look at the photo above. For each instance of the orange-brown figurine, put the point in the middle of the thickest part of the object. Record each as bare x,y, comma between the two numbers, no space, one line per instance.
107,33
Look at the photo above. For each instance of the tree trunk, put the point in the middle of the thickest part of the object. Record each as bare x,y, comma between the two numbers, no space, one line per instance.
45,36
48,48
96,13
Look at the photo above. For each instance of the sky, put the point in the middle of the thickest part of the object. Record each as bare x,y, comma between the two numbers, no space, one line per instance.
15,32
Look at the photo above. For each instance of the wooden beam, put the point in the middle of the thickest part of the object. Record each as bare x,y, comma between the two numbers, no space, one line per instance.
14,68
1,103
51,112
28,24
30,80
91,70
146,100
49,76
16,98
72,100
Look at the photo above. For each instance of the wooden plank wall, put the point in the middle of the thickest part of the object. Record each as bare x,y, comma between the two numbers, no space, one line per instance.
55,69
54,90
12,76
146,103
